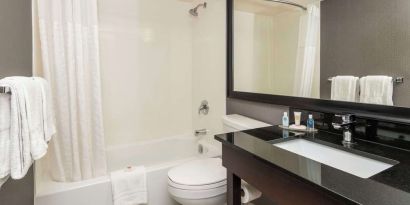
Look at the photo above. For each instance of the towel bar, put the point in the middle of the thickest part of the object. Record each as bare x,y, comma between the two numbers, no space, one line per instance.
5,90
396,80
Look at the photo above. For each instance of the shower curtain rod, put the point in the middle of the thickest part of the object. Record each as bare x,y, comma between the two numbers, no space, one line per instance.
288,3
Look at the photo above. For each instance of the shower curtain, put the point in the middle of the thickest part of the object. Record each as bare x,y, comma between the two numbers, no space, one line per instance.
307,52
68,36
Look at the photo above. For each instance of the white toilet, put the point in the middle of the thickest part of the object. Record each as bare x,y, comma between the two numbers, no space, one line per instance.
199,182
203,181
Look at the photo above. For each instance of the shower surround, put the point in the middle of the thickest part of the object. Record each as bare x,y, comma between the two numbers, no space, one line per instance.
157,64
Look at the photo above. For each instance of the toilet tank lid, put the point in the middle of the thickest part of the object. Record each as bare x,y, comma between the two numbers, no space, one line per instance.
198,172
240,122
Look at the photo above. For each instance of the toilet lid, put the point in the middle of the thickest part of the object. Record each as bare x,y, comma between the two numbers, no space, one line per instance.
198,172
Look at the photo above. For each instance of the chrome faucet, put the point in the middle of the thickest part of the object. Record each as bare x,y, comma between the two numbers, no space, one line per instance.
201,132
203,108
346,126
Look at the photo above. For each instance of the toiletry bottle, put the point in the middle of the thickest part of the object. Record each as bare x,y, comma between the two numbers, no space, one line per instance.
285,134
285,120
310,123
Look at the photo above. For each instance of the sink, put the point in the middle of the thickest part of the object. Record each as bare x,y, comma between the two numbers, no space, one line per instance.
351,163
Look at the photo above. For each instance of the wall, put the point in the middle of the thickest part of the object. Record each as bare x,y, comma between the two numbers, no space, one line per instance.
16,59
146,62
209,64
268,113
15,41
158,63
367,37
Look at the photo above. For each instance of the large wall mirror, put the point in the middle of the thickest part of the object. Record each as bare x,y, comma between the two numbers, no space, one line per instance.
344,51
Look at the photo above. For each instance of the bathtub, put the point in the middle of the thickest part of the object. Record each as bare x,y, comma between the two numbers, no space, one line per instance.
158,156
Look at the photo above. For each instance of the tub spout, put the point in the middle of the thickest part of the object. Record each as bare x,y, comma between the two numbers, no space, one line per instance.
201,132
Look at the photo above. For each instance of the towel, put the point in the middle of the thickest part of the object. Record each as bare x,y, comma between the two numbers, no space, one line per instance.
129,186
345,88
376,90
19,156
4,135
30,124
3,180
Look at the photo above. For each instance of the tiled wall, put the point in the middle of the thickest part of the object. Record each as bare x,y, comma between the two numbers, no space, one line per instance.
209,64
146,62
158,63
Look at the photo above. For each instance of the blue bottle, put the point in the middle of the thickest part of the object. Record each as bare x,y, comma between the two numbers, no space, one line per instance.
310,123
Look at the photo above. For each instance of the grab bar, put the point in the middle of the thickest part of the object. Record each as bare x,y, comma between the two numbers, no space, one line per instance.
5,90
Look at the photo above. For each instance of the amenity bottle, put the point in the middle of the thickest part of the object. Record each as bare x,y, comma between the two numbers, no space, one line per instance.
285,120
310,123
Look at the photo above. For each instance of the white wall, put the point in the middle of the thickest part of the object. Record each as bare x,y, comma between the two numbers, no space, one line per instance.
209,65
158,63
146,62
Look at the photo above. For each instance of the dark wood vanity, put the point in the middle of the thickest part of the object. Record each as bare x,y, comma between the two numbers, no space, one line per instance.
275,183
287,178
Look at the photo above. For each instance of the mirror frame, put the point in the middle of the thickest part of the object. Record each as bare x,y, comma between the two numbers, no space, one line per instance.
369,111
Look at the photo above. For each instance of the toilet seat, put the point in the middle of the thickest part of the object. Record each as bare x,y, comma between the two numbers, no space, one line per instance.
197,194
198,179
200,187
198,173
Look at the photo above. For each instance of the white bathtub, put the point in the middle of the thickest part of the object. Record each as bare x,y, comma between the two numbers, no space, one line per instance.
158,156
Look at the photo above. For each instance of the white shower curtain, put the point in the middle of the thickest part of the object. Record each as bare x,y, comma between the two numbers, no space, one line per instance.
307,52
68,32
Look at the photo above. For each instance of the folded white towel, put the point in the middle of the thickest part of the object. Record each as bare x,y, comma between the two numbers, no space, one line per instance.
376,90
345,88
129,186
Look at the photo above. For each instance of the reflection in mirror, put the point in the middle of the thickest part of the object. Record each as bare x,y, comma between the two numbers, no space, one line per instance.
277,48
355,51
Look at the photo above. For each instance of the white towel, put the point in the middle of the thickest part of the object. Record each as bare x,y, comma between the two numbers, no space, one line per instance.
376,90
31,126
4,135
3,180
129,186
20,156
345,88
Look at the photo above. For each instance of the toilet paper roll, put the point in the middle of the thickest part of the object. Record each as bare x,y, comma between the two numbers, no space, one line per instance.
249,193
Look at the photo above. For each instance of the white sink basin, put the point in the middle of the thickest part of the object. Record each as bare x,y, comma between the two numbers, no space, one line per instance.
351,163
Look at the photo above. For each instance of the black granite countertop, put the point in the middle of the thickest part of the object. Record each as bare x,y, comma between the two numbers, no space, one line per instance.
391,186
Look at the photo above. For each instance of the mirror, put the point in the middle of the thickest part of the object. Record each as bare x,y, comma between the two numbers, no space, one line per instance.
340,50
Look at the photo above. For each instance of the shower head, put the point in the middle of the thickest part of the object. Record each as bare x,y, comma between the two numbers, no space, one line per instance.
194,11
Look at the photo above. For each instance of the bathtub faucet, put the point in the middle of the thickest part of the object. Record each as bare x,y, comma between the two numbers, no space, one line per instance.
201,132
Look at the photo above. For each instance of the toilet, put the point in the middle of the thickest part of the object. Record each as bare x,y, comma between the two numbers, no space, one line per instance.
203,181
199,182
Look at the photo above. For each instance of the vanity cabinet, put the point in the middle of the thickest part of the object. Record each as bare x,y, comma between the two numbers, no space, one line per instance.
275,183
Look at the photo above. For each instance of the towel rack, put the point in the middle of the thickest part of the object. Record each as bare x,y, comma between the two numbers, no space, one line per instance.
397,80
5,90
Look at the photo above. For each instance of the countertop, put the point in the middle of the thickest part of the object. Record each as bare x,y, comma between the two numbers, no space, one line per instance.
392,186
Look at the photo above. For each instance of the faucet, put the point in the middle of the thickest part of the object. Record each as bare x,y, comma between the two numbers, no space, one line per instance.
201,132
203,108
346,126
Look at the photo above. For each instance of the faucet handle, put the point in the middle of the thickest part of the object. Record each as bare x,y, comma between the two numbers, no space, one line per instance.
346,118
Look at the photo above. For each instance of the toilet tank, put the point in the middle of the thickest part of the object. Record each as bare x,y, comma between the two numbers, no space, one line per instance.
235,122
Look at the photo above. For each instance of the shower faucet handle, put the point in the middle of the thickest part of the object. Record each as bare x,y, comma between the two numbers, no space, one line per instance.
204,108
